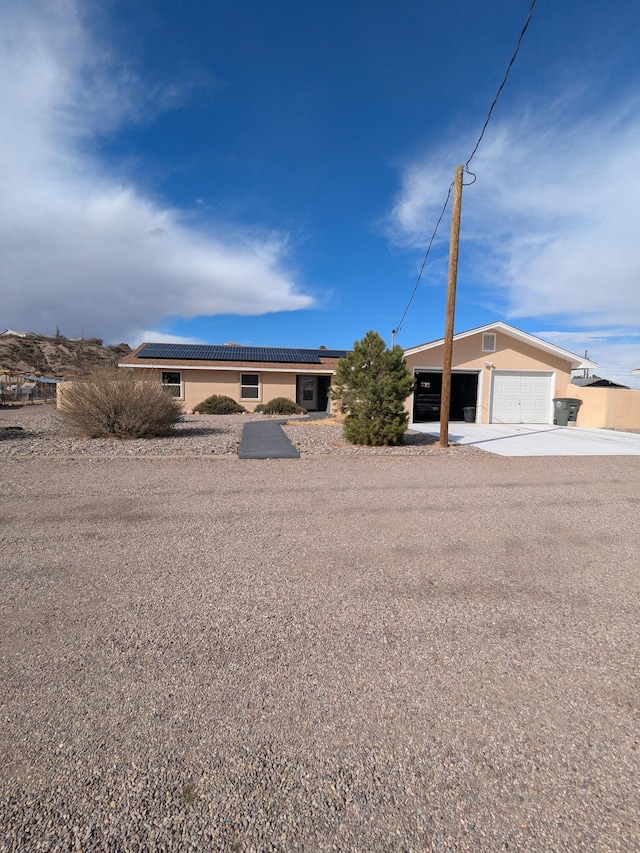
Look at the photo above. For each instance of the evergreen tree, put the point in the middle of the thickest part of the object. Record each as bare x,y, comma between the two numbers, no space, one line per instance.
372,384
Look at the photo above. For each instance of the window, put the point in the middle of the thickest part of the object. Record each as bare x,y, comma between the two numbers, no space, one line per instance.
488,342
172,381
249,386
308,387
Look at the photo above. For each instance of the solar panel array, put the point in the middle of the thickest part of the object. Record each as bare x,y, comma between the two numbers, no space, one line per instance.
209,352
327,353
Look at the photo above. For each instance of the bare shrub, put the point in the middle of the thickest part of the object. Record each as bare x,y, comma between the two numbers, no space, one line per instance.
117,404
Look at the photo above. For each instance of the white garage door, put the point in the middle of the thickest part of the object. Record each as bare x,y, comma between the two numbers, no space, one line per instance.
521,398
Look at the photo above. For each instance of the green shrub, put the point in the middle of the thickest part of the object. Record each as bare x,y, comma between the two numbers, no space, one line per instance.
218,404
114,403
280,406
375,431
372,384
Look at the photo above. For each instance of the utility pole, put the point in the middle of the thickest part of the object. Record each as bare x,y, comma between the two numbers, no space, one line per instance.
445,398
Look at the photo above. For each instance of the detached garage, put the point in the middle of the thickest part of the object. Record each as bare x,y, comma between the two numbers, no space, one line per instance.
506,375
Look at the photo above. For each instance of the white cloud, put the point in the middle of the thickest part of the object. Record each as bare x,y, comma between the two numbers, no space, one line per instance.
550,227
616,351
79,250
158,337
420,201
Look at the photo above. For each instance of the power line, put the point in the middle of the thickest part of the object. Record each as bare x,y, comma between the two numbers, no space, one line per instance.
466,165
501,87
433,237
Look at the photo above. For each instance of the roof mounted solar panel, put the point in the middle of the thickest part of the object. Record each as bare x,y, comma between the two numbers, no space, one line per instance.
209,352
328,353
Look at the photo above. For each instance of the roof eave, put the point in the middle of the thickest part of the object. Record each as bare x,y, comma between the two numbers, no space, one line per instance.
575,361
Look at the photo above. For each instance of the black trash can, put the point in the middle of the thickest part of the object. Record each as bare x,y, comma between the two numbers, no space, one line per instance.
565,409
469,413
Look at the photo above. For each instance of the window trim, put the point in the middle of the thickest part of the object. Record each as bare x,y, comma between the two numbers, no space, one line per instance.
488,342
171,385
257,386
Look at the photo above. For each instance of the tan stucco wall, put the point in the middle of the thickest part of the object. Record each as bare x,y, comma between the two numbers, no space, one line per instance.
510,354
609,408
199,384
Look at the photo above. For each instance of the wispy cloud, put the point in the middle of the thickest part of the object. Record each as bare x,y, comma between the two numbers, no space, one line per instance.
616,351
79,249
550,227
160,337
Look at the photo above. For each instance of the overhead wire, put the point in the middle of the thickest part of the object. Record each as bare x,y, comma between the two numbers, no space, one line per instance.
466,165
424,261
500,88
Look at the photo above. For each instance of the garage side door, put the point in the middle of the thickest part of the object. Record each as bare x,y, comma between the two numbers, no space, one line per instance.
520,398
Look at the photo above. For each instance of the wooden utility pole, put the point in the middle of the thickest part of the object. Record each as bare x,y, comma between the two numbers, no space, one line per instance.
445,398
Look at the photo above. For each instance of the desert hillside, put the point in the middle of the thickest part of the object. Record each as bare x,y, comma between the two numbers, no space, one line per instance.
55,355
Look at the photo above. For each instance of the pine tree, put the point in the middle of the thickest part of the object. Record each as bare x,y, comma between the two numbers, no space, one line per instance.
372,384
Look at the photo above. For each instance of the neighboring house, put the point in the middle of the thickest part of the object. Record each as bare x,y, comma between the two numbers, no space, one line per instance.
506,375
12,333
595,382
249,375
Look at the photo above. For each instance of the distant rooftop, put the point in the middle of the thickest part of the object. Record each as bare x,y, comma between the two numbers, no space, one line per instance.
232,352
595,382
9,333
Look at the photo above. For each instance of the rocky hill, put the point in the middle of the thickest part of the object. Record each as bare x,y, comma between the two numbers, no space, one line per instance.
56,356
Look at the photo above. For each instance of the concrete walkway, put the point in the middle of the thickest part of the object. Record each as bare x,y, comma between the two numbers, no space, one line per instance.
266,440
538,439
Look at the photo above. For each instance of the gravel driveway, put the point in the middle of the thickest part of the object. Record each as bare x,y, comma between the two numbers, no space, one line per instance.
429,651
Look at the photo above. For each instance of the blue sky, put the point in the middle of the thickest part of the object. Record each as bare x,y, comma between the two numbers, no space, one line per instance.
271,173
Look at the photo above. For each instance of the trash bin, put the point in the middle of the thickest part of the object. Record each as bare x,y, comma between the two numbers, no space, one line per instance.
565,409
574,405
469,413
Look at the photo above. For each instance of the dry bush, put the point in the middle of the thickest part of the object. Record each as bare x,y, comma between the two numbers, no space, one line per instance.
117,404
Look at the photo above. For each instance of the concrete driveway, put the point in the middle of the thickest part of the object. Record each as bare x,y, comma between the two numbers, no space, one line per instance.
539,439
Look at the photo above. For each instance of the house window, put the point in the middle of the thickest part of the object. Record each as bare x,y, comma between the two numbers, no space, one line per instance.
308,387
488,342
172,381
249,386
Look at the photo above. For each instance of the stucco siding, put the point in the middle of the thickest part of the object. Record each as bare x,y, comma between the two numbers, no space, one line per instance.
608,408
197,385
509,354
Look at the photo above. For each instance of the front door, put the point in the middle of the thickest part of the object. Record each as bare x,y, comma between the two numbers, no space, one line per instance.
308,392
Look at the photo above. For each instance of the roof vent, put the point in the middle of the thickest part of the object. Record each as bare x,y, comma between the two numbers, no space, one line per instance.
488,342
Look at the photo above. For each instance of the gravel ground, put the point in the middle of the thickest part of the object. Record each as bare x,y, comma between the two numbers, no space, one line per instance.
389,653
35,430
41,434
